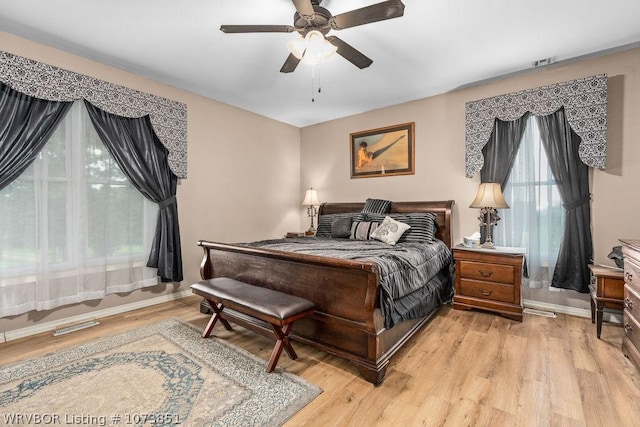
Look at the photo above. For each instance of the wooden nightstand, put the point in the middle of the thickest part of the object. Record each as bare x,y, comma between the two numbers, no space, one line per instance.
290,234
489,279
607,290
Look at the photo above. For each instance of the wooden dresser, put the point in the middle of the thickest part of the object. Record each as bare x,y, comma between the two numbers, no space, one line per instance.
631,340
489,279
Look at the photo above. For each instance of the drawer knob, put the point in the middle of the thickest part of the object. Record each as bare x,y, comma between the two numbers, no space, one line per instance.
485,273
628,276
628,303
486,293
628,329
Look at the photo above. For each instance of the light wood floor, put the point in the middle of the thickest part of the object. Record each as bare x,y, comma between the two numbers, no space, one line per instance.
463,368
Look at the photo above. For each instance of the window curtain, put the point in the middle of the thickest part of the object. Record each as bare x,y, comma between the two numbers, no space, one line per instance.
26,123
535,219
585,103
501,150
571,175
72,228
142,158
45,81
500,153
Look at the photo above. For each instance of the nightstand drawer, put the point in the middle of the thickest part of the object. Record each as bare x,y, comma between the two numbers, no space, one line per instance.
611,288
487,272
489,280
488,290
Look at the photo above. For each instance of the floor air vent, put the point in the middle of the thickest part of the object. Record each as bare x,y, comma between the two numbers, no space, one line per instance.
65,329
540,312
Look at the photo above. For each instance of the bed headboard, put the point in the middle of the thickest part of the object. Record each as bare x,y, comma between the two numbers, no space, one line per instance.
442,210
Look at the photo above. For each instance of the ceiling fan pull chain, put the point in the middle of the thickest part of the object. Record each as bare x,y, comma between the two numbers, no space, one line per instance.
315,81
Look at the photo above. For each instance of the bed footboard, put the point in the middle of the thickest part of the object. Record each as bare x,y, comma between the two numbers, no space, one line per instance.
347,321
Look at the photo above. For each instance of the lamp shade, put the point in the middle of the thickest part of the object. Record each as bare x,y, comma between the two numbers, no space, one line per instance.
311,198
297,47
489,196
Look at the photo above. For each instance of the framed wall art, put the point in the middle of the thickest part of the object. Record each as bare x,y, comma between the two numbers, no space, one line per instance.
381,152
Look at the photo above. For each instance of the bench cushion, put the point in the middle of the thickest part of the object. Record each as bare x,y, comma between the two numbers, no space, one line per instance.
263,303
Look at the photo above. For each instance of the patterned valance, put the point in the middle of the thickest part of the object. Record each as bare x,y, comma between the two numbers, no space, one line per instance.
168,118
585,103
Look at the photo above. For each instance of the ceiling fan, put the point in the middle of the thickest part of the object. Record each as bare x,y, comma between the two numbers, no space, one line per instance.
310,16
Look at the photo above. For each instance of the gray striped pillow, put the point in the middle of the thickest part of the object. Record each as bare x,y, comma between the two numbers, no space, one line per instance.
361,230
377,206
423,225
325,222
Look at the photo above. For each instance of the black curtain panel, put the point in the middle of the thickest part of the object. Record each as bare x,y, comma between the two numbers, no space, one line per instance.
572,179
142,158
500,153
26,124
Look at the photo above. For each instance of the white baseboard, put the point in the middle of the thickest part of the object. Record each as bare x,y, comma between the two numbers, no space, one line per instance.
50,326
571,311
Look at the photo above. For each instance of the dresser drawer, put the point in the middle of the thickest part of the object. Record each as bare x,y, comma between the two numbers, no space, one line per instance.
488,290
632,301
632,329
632,273
487,272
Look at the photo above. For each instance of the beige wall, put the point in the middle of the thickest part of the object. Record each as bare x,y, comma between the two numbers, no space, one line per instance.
439,163
243,176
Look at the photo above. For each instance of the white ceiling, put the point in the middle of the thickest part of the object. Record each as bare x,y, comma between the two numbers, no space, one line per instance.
437,46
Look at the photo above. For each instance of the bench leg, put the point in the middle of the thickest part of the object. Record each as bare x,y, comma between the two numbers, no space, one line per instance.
217,310
282,340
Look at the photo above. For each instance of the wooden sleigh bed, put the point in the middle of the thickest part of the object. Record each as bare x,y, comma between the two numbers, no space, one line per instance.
348,321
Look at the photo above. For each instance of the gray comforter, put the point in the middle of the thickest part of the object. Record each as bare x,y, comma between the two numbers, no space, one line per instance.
415,278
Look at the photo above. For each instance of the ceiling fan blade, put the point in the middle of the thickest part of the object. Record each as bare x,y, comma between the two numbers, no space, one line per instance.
374,13
290,64
304,7
257,28
349,53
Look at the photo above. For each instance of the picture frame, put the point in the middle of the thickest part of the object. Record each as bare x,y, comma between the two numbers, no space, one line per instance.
381,152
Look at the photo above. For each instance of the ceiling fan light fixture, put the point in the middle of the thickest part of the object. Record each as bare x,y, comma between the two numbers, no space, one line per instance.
297,47
312,48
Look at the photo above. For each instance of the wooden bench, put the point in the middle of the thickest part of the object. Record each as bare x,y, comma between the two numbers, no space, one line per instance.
278,309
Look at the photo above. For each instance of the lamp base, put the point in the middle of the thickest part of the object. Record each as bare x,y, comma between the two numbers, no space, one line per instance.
488,218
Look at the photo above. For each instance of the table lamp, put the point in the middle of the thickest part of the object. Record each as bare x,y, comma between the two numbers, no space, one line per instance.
312,203
488,199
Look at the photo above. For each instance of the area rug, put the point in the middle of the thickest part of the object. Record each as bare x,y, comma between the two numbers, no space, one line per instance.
163,374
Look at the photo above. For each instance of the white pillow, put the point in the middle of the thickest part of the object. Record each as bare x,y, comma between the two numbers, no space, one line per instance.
390,230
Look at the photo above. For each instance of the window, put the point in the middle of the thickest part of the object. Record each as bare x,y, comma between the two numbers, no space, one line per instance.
72,227
535,219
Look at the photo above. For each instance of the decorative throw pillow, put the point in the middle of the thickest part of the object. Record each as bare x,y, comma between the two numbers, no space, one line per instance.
379,206
361,230
341,228
423,226
389,231
325,222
